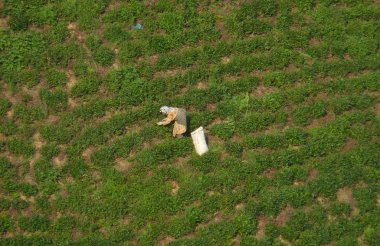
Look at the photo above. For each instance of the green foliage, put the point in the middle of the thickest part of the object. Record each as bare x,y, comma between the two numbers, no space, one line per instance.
104,56
223,130
34,223
29,77
342,104
304,114
20,147
115,34
86,86
5,105
234,149
55,78
6,224
49,151
28,189
55,100
251,70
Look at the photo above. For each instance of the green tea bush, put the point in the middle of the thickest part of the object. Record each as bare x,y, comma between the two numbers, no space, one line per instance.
296,224
45,172
277,79
75,166
5,105
19,204
223,130
91,109
304,114
345,103
104,56
365,198
338,209
56,100
359,47
20,147
164,151
61,54
129,50
48,151
55,78
205,163
81,70
86,86
6,224
273,101
103,157
29,77
256,121
5,204
265,141
295,136
8,171
116,34
58,33
34,223
28,189
61,135
234,148
371,236
120,78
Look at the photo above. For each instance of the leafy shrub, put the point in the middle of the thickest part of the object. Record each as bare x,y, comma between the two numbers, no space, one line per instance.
205,163
304,114
55,78
34,223
277,79
339,209
75,166
256,121
48,151
371,236
296,224
223,130
56,100
365,198
6,224
345,103
20,147
64,223
28,114
359,47
46,175
58,33
273,101
115,34
29,77
120,78
295,136
61,54
5,105
104,56
81,70
28,189
59,134
86,86
234,149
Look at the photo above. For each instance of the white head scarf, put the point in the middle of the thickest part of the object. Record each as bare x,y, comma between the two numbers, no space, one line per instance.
166,109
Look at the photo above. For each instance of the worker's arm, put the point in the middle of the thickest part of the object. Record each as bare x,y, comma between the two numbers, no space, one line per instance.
171,116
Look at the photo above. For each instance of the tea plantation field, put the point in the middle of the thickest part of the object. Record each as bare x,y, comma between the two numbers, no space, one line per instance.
288,92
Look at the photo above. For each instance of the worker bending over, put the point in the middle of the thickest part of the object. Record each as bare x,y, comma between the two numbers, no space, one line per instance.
179,116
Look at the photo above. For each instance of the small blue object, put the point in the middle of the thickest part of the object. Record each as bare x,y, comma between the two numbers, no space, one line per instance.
138,26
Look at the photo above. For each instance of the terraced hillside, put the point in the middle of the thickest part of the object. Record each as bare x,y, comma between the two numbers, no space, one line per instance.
287,91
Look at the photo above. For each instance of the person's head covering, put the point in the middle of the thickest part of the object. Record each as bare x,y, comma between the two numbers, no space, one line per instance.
166,109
